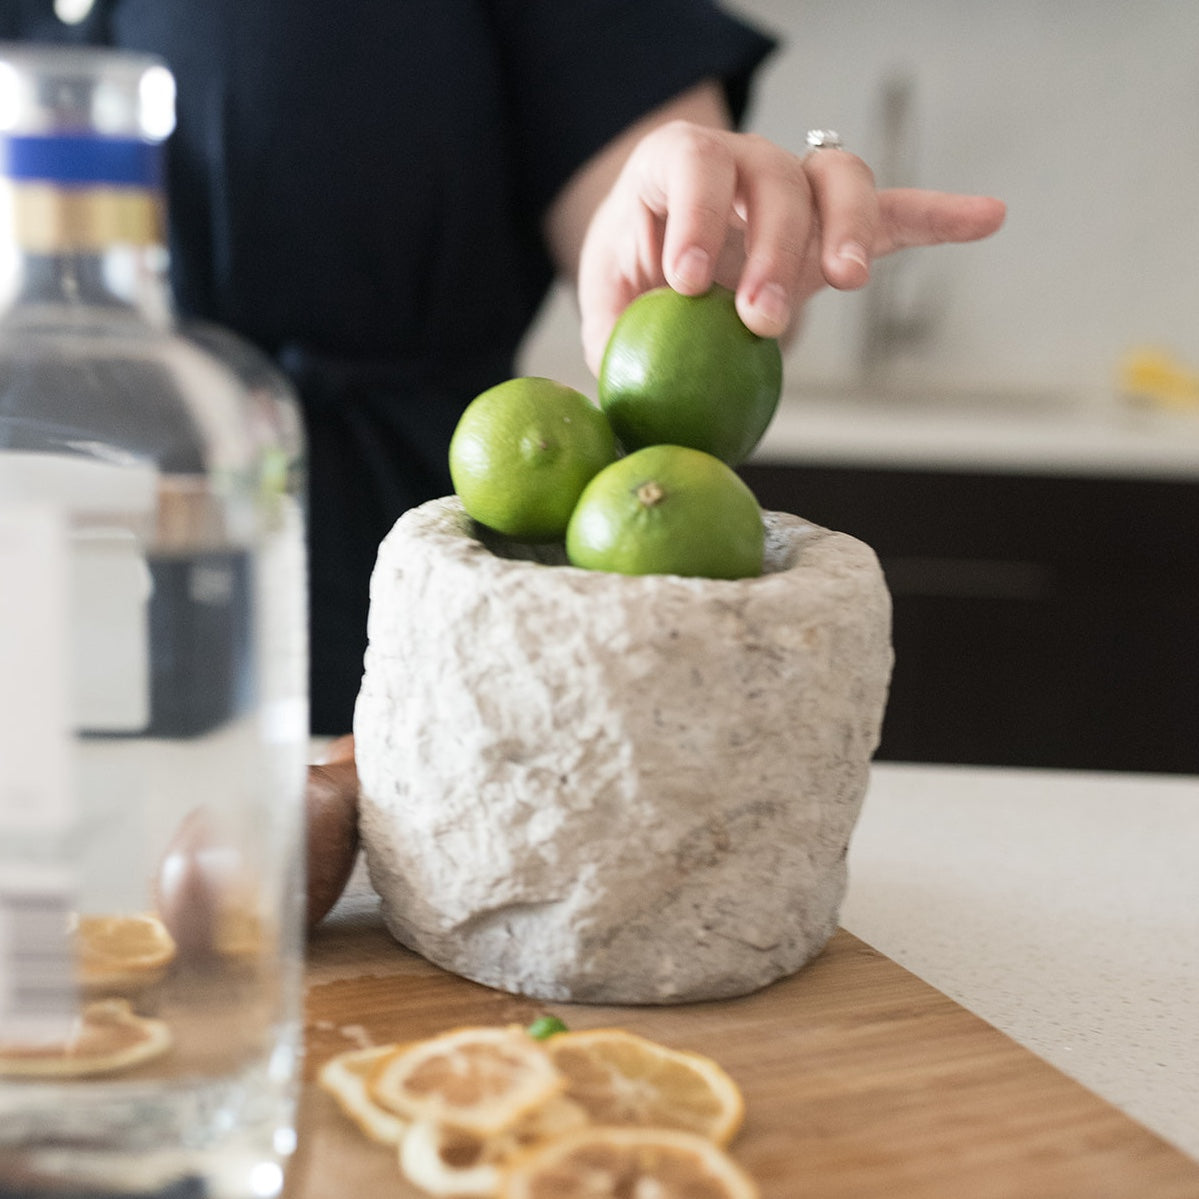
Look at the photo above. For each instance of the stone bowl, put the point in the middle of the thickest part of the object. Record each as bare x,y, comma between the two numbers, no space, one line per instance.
599,788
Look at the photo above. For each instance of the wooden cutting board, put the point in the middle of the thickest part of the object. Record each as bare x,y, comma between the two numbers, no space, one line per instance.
859,1080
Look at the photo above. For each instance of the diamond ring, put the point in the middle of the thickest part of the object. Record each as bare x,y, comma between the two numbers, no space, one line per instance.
825,139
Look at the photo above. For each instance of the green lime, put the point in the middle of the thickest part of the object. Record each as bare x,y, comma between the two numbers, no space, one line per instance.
667,509
684,370
522,453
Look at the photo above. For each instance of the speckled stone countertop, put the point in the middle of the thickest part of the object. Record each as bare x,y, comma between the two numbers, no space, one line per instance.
1061,907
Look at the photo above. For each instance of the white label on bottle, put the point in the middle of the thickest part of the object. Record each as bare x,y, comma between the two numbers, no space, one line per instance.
107,578
110,632
35,732
36,798
38,995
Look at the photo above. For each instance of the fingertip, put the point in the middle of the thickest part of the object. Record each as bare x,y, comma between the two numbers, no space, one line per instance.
594,336
766,310
692,272
848,266
978,217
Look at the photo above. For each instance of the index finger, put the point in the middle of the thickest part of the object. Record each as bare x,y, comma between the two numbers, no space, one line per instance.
914,217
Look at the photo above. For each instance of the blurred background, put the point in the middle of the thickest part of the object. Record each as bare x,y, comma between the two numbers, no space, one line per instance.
1013,425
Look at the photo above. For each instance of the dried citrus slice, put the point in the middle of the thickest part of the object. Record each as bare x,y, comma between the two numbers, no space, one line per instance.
240,932
551,1119
621,1078
603,1162
448,1161
481,1080
121,952
345,1077
107,1036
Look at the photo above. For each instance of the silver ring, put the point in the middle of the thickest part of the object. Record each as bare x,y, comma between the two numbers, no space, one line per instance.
825,139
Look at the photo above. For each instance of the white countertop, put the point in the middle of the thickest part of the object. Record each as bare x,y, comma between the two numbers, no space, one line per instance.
1061,907
1010,433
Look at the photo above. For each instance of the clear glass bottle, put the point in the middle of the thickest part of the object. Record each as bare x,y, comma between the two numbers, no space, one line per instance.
153,711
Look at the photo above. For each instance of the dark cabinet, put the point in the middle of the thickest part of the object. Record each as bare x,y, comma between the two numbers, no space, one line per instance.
1038,621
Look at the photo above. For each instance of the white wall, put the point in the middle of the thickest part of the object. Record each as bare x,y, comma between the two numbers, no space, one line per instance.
1082,114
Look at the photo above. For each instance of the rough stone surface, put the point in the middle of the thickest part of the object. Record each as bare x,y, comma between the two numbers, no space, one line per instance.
584,786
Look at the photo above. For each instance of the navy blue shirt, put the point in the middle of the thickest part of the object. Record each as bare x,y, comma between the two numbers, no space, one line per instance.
358,188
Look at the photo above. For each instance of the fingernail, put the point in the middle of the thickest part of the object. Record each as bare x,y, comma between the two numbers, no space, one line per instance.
853,251
771,302
693,270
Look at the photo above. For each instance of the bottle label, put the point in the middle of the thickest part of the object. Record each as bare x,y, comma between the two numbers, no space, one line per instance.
82,159
82,192
107,590
37,811
38,996
49,219
35,733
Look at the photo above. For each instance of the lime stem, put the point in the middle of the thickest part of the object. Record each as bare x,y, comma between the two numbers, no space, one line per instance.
651,493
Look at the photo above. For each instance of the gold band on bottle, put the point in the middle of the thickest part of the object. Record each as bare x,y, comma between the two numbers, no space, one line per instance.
51,219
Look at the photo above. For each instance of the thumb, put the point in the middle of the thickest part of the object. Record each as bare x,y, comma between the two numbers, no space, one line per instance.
602,295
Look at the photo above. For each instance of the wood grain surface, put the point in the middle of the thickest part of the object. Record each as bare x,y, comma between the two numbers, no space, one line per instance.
859,1079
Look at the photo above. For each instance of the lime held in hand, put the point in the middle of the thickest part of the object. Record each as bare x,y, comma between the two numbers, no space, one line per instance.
668,509
522,453
684,370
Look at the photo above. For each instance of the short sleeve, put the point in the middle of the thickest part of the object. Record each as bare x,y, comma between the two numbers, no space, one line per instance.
578,72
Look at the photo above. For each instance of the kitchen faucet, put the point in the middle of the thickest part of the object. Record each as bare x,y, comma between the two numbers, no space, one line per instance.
895,320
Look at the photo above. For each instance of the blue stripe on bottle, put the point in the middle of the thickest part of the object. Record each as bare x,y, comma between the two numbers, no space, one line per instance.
82,159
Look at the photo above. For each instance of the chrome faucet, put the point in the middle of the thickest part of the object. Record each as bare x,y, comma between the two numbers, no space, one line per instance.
894,321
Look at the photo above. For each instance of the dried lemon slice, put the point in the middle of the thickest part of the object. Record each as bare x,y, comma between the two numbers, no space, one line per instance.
107,1036
481,1080
345,1077
447,1161
611,1163
121,952
241,932
622,1079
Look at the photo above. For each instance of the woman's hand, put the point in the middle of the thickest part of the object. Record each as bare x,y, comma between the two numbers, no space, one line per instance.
694,203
